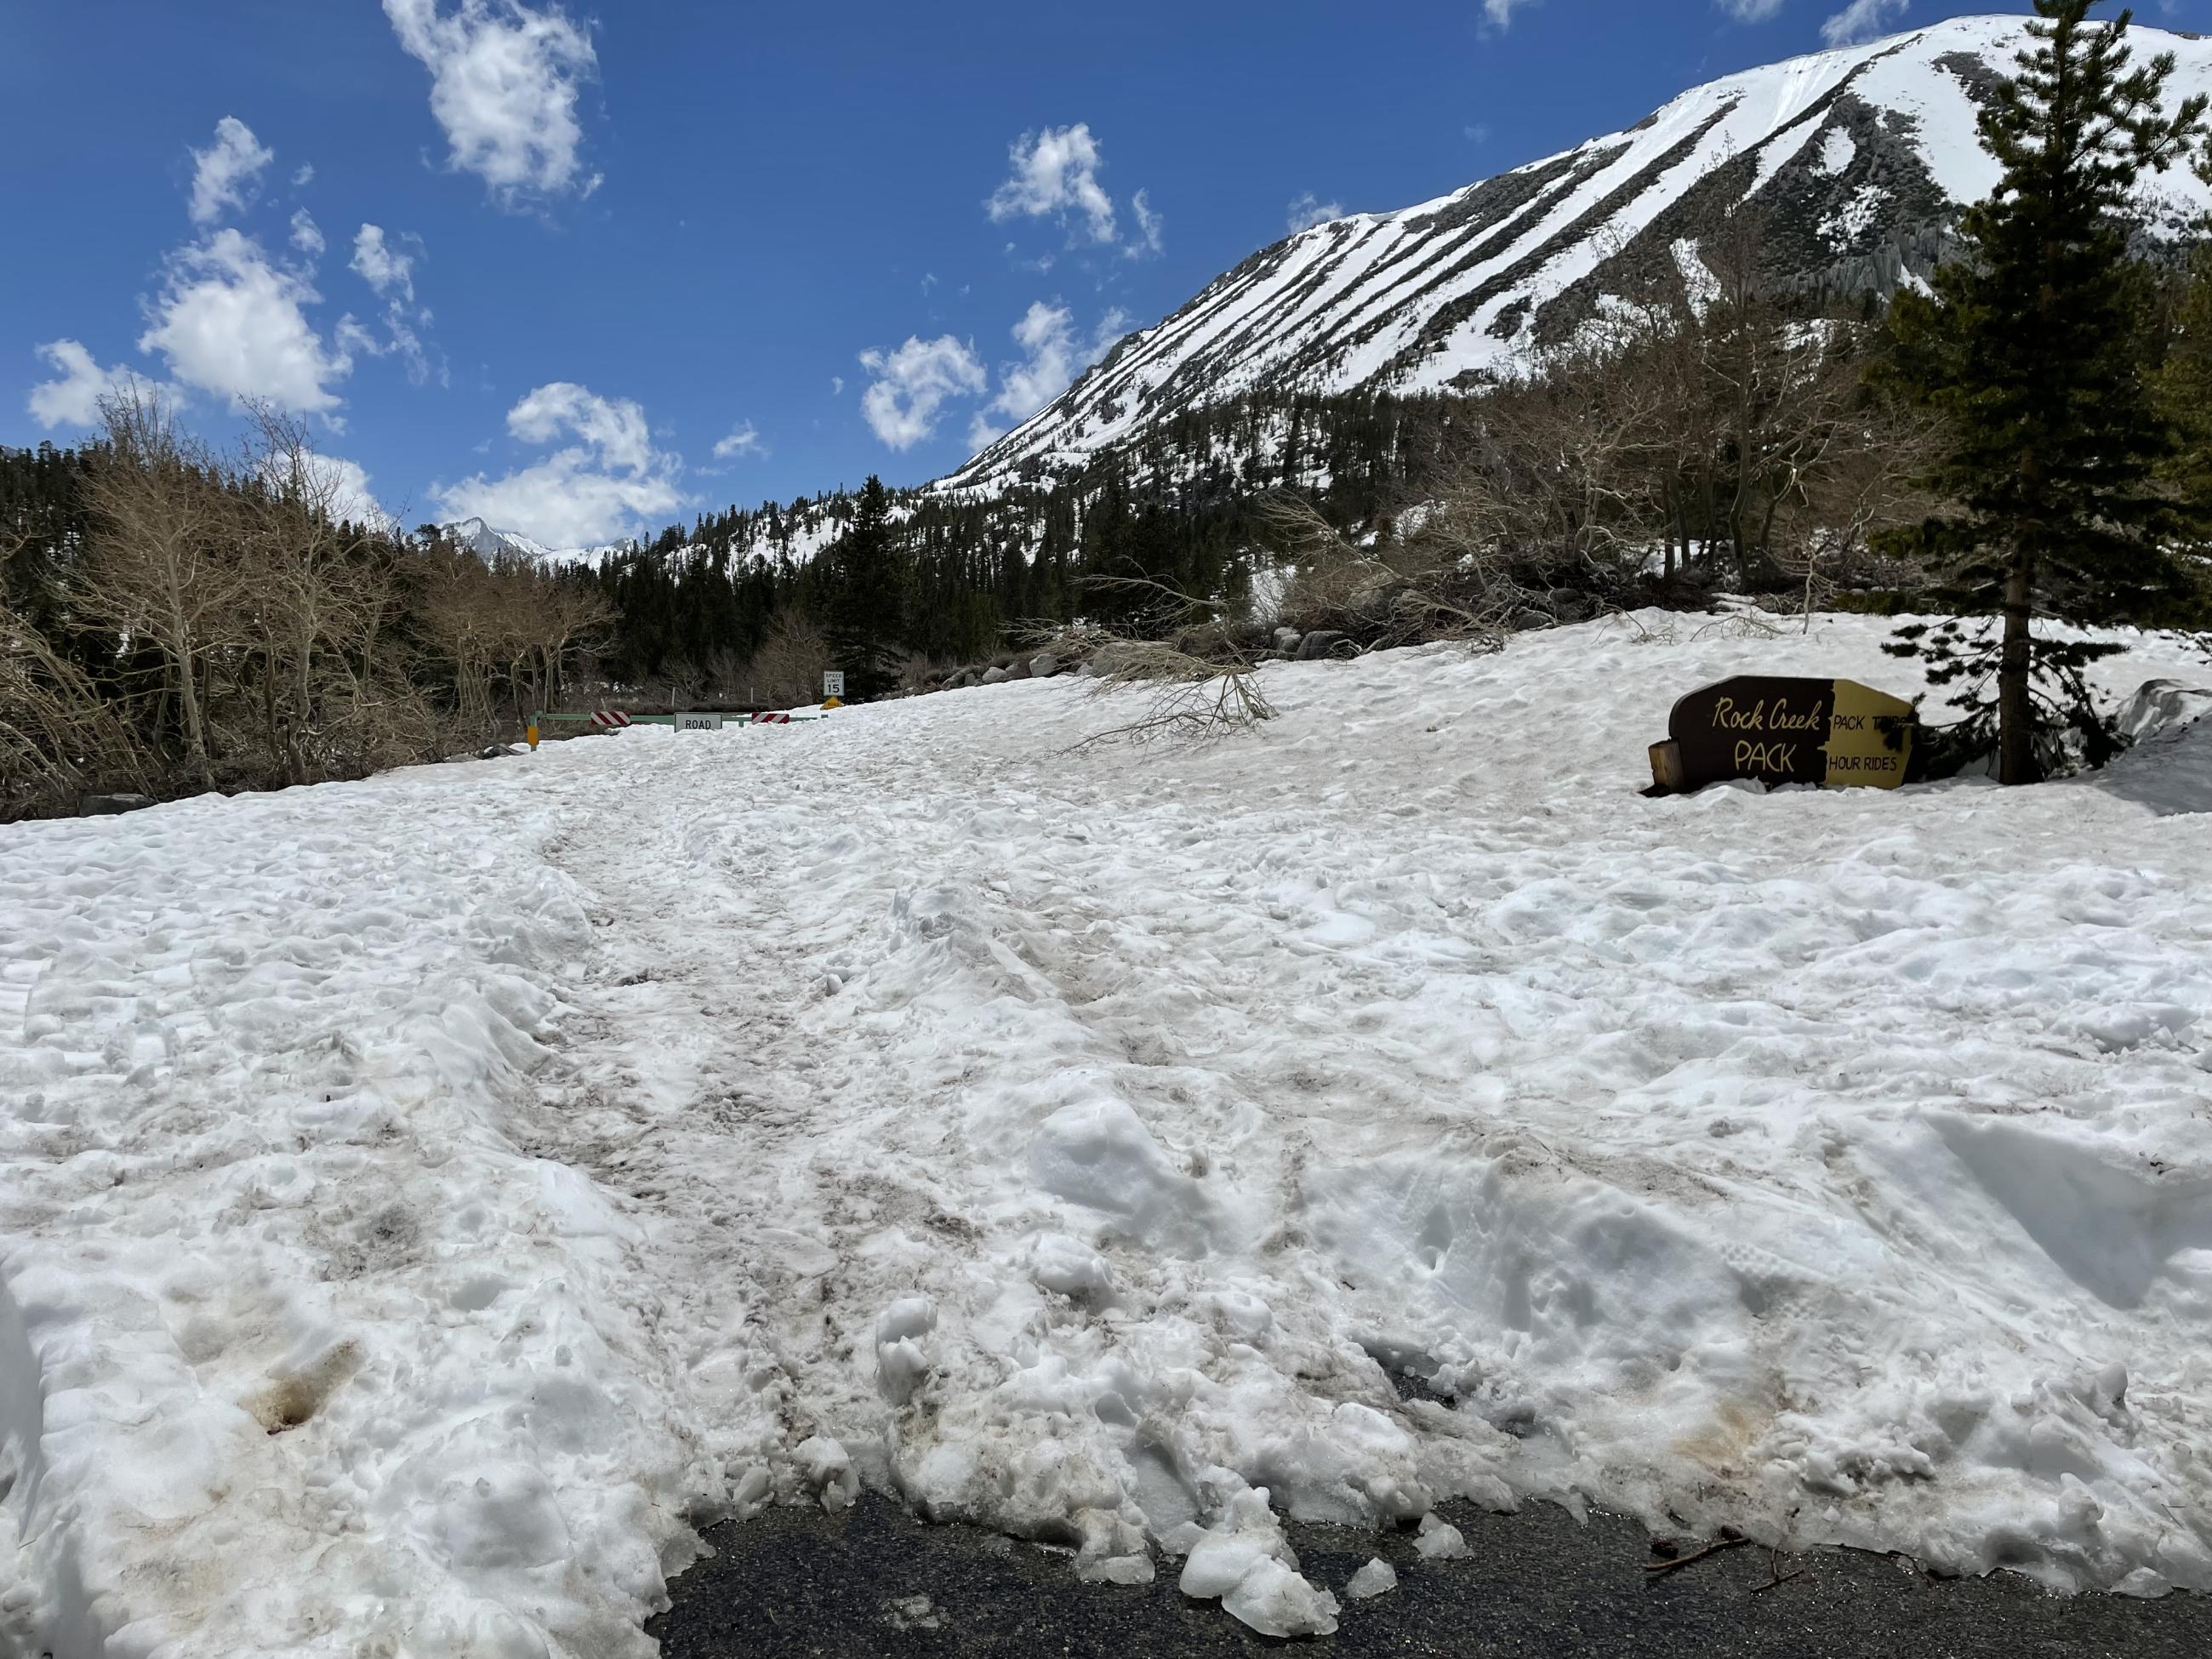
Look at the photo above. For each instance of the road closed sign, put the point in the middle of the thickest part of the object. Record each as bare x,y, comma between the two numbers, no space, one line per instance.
698,722
833,683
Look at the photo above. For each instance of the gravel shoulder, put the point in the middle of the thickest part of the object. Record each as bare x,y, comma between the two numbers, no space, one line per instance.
874,1580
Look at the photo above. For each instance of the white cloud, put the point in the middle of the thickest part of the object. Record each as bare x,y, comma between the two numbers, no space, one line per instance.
1863,20
614,429
306,234
1750,11
225,173
303,175
342,486
1056,175
503,82
399,338
73,400
744,439
912,384
1052,357
836,385
351,497
609,484
392,275
383,268
232,324
1306,210
1500,12
353,334
563,501
1046,334
1151,227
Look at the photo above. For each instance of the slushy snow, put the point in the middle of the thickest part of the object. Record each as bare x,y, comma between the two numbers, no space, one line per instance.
425,1202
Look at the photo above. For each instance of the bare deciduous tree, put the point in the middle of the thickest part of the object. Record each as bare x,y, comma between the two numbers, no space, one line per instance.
160,570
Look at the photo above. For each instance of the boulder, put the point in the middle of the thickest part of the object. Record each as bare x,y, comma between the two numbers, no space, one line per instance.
1044,666
1286,641
994,676
1019,670
103,806
1323,643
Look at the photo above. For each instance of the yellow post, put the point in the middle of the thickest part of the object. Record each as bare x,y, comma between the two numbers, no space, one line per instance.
530,731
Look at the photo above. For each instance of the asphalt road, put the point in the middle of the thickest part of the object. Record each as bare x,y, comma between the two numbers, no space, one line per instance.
874,1581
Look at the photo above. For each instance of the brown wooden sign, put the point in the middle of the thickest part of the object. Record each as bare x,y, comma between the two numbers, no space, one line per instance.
1786,731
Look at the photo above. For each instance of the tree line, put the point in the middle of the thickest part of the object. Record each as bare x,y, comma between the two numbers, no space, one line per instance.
174,619
2029,438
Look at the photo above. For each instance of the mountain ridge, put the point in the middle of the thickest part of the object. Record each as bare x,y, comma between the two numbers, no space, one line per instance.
1863,157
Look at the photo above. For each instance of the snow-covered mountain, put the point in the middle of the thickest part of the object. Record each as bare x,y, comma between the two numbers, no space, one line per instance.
487,542
1860,159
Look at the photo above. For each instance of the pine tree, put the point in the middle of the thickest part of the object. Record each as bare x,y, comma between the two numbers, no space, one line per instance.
2034,345
2185,380
867,600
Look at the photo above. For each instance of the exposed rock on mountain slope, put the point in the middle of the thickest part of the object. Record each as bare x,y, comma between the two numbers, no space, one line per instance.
478,537
1861,160
486,542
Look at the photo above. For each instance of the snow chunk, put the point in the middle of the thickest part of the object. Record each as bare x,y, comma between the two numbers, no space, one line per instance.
822,1464
1245,1560
1098,1153
901,1354
1440,1541
1069,1267
1377,1577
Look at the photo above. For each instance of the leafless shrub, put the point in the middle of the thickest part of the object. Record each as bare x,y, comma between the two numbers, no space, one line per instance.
56,737
788,667
1178,695
1195,685
1433,584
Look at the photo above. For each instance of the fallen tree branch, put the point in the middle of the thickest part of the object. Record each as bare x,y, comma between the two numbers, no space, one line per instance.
1776,1576
1714,1548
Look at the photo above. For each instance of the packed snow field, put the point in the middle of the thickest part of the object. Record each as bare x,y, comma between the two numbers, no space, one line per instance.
423,1202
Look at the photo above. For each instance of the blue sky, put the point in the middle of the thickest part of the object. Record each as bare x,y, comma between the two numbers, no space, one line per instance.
586,271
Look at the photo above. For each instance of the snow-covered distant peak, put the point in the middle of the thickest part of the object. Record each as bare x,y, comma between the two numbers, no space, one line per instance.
1860,159
487,542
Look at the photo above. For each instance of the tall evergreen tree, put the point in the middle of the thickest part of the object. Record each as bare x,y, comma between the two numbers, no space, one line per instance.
2185,380
867,601
2034,345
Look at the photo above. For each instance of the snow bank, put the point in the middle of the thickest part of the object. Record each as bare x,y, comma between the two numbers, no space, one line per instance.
422,1201
298,1345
